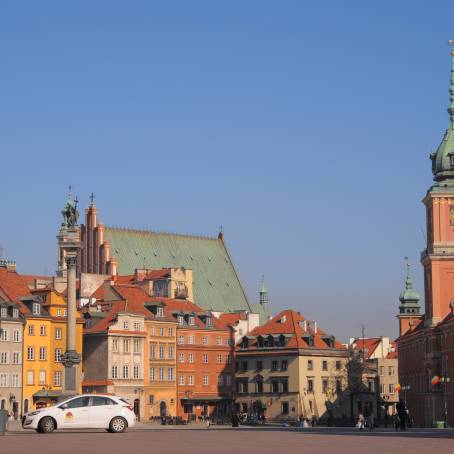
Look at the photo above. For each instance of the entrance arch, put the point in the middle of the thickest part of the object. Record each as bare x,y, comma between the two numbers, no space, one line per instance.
163,409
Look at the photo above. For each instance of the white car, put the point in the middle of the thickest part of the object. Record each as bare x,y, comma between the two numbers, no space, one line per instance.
86,411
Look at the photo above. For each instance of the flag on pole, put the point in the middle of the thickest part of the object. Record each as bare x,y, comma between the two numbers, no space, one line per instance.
435,380
398,387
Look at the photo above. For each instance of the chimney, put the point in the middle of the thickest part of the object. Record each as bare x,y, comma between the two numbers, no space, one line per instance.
9,265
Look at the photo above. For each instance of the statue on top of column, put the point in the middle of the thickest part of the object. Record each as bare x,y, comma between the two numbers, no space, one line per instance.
70,213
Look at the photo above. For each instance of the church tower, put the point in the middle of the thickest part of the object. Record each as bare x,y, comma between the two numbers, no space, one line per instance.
438,257
409,306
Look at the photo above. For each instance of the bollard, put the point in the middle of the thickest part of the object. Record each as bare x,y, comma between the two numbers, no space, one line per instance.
3,421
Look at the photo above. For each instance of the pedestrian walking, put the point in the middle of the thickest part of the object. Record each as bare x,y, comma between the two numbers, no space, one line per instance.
360,422
403,414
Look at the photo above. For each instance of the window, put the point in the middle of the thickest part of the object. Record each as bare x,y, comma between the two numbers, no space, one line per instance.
137,346
170,375
16,313
338,386
16,335
338,365
161,331
58,312
219,358
324,365
16,358
57,355
42,377
30,353
64,312
371,385
274,365
31,330
244,366
3,312
220,380
324,385
170,351
125,371
285,408
126,345
180,319
259,385
57,378
125,324
228,380
114,371
284,386
15,381
205,340
191,320
30,377
209,322
4,358
78,402
153,351
42,353
191,339
205,358
181,340
170,332
136,372
242,386
310,385
382,371
160,312
152,374
218,340
161,352
4,334
36,309
181,380
181,357
228,358
42,330
451,159
391,388
190,380
190,357
137,326
97,401
390,370
3,380
382,388
275,386
115,345
310,364
162,376
284,364
58,333
205,380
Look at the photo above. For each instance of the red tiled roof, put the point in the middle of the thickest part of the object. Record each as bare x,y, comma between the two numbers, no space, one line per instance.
111,315
233,318
31,278
368,344
14,287
289,322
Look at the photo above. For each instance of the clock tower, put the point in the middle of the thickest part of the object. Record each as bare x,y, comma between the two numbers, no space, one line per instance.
438,257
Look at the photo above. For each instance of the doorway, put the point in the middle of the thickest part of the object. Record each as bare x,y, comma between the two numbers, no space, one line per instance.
137,408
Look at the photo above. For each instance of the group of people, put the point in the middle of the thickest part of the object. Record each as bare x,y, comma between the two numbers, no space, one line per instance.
401,418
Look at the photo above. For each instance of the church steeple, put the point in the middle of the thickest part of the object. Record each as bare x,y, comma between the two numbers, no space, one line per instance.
263,293
443,158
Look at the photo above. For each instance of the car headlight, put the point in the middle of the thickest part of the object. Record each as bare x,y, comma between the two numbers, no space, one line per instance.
33,413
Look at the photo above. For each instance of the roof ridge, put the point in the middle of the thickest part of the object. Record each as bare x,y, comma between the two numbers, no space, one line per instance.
135,230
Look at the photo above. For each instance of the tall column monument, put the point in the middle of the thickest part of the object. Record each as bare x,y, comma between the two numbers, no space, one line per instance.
69,245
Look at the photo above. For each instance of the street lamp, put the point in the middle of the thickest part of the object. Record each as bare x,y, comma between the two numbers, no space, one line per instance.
445,380
405,388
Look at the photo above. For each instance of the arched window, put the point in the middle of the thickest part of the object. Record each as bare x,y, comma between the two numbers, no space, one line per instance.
270,341
260,342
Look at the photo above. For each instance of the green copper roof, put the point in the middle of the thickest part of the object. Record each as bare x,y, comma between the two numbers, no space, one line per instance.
409,297
216,284
443,158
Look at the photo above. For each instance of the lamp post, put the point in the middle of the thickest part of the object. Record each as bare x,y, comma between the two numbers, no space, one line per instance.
445,380
405,388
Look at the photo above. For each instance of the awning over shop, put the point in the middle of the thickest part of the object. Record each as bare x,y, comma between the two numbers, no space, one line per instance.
49,393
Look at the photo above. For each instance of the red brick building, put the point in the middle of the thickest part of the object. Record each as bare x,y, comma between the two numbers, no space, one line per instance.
426,342
205,370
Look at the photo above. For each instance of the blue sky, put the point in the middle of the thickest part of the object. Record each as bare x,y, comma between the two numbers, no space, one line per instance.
304,128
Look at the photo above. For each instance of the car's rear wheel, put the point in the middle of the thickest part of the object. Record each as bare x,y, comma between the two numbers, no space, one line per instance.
118,425
46,425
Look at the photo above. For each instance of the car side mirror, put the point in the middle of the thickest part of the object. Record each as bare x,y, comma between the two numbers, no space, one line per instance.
63,406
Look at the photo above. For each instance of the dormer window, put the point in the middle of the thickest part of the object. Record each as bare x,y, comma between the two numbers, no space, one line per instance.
282,340
260,342
160,312
180,319
283,319
191,320
3,312
16,313
270,341
125,324
209,322
245,342
451,159
36,309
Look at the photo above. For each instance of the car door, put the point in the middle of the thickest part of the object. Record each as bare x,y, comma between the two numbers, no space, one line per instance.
74,413
102,410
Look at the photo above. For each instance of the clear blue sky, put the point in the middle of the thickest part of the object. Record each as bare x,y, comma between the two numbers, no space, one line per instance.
304,128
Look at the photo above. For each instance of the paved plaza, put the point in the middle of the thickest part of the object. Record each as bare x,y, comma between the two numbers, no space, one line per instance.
251,440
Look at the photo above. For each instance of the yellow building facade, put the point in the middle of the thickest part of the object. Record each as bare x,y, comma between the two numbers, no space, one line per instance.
44,344
160,368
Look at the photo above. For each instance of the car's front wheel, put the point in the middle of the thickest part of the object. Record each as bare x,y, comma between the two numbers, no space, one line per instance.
46,425
118,425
